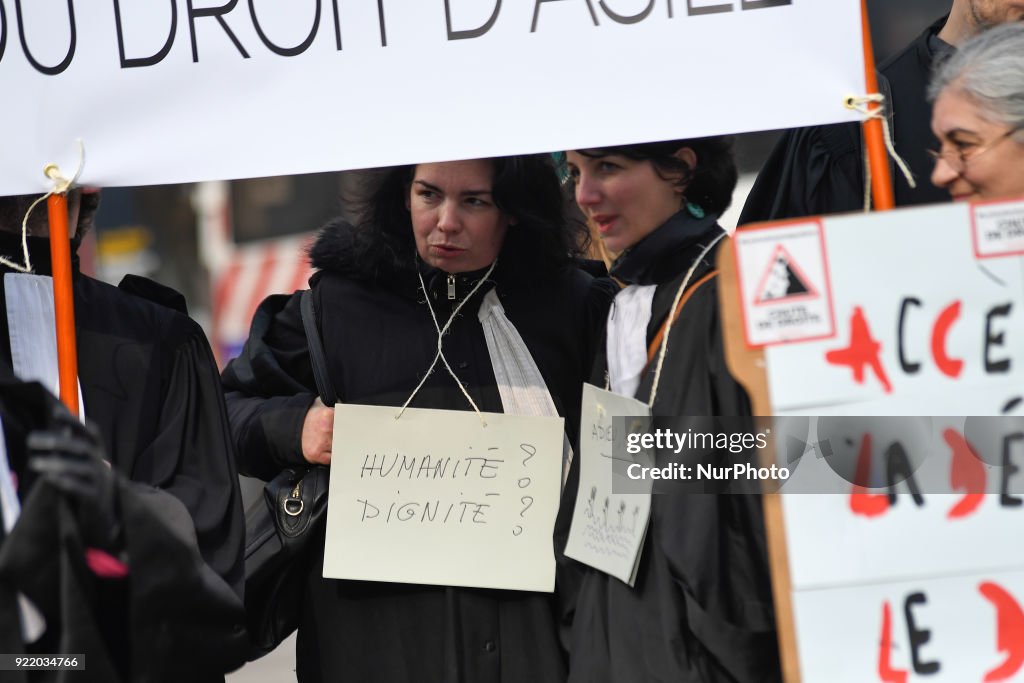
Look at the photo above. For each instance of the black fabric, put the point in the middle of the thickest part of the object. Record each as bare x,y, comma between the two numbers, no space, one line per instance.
380,339
149,382
820,169
701,607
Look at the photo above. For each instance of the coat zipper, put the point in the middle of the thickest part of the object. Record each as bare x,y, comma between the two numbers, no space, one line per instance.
451,288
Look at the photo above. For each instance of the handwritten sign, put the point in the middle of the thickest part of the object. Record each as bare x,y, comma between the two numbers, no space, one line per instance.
913,571
608,528
114,75
437,497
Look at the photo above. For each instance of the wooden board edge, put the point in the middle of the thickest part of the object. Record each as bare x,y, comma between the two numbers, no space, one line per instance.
748,367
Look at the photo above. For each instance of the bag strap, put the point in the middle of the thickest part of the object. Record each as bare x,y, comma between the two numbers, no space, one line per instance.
652,349
316,350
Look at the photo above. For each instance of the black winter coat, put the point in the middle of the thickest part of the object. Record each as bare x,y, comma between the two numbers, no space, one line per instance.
149,383
380,339
701,608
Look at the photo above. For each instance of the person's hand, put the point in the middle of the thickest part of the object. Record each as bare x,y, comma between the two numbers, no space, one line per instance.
318,434
70,456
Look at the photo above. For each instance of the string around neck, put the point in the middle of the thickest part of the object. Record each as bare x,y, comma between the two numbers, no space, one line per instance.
439,355
672,311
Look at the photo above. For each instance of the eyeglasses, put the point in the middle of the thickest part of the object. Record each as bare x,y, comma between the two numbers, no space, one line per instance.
958,157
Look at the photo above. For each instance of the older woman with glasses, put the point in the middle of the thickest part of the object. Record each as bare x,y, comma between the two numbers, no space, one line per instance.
978,117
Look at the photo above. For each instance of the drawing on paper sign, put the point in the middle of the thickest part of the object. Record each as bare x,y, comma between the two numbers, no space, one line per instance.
784,280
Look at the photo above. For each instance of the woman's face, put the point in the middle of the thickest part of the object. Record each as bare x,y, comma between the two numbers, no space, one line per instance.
979,159
457,226
624,198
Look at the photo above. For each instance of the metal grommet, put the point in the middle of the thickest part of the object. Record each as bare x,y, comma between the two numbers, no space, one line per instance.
293,507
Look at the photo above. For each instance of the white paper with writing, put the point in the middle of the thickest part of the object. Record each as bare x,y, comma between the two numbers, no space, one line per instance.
608,529
438,498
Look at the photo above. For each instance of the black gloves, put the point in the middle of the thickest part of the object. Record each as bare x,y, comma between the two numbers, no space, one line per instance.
69,455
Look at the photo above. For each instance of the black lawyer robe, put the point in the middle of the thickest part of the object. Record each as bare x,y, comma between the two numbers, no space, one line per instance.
701,608
820,169
150,384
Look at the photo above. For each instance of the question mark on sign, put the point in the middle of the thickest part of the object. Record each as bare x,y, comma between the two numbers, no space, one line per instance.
527,501
529,449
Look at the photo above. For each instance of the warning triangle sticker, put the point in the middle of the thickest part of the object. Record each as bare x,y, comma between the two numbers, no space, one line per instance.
783,280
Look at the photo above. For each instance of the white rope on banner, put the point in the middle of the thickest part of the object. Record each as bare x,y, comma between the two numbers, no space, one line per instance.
60,186
861,106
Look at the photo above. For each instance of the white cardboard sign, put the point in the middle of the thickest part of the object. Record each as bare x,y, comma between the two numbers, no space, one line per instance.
437,497
165,91
926,324
950,630
923,326
608,528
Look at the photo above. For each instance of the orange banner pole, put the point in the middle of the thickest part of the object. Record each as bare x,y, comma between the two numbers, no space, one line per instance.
874,136
63,301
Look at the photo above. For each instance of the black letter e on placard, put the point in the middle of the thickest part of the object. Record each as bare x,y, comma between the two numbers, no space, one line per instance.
918,637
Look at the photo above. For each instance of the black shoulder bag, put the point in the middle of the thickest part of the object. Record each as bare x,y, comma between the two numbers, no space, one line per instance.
281,527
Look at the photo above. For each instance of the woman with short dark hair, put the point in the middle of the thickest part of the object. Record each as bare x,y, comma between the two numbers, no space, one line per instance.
701,608
431,239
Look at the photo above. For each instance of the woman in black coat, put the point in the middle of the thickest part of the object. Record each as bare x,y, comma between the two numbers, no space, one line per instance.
437,231
701,607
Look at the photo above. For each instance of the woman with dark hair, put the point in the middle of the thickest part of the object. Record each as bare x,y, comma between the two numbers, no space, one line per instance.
700,608
430,239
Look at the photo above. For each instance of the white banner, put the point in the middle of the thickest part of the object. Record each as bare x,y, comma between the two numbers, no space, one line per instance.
166,91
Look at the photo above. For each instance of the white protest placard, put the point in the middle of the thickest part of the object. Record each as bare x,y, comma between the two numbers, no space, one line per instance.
926,585
951,629
920,321
608,528
163,91
439,497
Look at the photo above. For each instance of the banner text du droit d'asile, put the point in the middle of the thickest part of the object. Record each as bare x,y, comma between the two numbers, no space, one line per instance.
324,18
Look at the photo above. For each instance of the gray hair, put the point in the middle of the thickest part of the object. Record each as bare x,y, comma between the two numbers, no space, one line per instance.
989,69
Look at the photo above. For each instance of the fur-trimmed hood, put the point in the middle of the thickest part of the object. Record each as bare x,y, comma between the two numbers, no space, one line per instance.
360,253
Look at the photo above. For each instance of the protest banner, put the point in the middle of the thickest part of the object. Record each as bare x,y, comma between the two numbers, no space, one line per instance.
914,312
169,91
443,497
